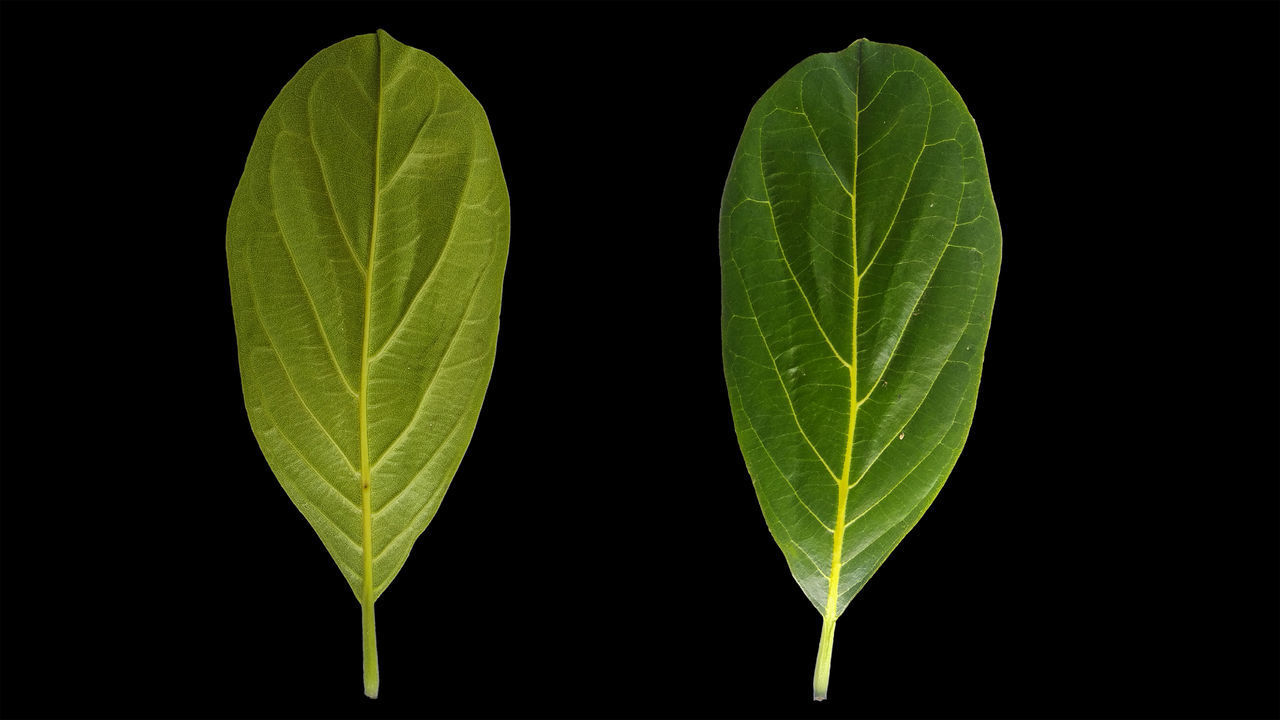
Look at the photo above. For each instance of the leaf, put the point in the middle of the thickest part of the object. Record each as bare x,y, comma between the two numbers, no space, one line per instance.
859,246
366,243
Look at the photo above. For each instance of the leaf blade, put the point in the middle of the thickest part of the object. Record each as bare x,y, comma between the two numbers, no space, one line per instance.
860,249
366,247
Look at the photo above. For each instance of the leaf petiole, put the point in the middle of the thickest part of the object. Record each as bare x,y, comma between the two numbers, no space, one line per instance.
822,671
370,651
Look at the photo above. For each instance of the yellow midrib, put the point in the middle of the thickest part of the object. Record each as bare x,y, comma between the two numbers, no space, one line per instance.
842,485
366,503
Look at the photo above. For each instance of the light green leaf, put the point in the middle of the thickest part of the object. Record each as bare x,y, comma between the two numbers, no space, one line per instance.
859,245
366,243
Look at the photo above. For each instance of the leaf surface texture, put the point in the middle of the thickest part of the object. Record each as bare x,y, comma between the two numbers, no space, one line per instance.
860,247
366,243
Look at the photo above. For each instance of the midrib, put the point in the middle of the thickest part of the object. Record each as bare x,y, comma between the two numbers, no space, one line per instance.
366,515
842,487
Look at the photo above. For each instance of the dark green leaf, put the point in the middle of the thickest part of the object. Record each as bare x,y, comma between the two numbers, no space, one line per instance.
860,246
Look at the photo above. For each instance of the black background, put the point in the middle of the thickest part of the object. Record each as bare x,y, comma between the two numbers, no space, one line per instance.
1106,546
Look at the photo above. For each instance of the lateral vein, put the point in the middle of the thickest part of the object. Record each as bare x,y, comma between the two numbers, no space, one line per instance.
785,392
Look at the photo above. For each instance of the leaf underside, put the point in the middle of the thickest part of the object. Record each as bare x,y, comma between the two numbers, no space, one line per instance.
860,247
366,245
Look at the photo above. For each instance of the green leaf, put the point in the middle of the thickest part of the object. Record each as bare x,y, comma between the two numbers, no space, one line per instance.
859,246
366,243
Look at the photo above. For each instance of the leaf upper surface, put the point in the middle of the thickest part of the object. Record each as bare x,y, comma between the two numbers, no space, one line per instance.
860,248
366,245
